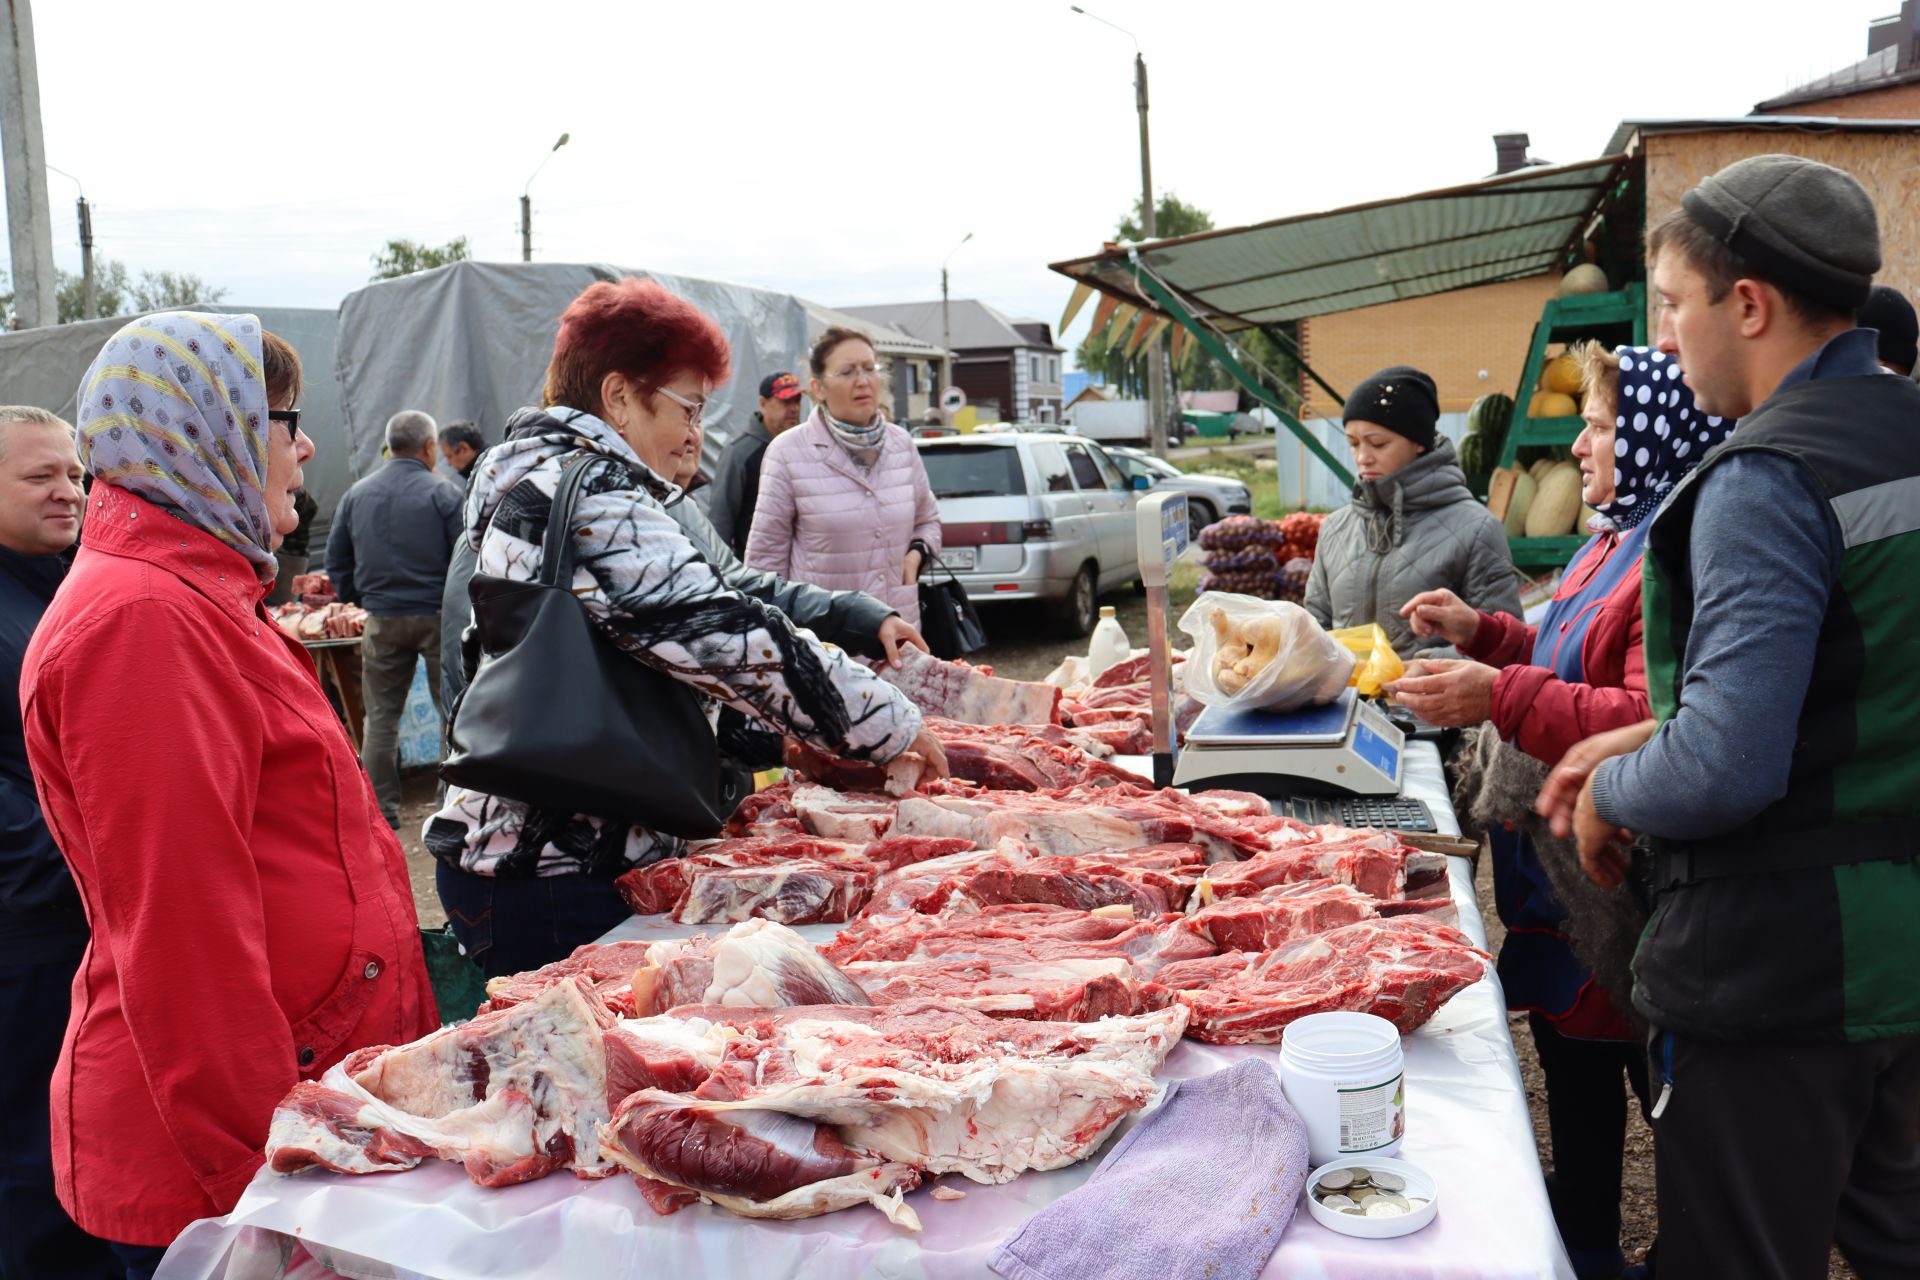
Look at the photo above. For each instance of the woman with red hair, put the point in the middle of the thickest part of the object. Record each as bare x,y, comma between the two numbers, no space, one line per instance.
625,394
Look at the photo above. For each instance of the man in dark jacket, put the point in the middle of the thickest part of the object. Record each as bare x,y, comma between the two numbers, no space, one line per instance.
392,537
43,929
1781,787
736,486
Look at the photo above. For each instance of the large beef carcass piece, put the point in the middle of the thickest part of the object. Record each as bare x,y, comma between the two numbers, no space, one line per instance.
754,965
512,1095
1401,968
969,694
916,1086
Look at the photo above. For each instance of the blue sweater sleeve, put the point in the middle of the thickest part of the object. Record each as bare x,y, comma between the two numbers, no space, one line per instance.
1765,553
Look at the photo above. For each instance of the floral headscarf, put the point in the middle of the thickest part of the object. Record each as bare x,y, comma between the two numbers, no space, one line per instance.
174,409
1659,435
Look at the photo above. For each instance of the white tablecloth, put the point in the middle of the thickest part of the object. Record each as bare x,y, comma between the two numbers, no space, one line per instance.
1467,1126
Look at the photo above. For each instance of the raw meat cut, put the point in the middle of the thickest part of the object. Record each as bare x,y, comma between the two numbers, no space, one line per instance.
1264,920
1023,931
1086,820
1401,968
759,1164
755,965
944,1089
1376,863
608,966
842,815
791,892
958,691
513,1095
665,886
1069,989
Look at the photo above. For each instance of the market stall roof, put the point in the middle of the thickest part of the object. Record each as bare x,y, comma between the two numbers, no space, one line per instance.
1504,228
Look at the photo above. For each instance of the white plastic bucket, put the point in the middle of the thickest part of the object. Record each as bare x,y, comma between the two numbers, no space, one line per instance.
1343,1073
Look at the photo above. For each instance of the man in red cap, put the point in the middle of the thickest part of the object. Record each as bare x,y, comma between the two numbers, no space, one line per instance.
736,488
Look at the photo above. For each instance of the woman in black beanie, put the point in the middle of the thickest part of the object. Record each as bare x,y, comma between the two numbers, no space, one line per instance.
1412,526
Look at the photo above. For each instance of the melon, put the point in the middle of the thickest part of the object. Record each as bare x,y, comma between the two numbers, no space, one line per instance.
1585,278
1556,503
1523,491
1541,466
1489,416
1552,404
1563,375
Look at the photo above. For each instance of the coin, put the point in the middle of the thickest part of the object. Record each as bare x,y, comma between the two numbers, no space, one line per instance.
1394,1199
1336,1180
1389,1182
1382,1209
1356,1212
1336,1202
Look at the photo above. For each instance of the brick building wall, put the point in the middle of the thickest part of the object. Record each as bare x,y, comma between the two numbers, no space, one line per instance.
1451,336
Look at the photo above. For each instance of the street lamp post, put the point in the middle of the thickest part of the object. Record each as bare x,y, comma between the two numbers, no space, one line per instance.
526,202
946,319
90,306
1156,363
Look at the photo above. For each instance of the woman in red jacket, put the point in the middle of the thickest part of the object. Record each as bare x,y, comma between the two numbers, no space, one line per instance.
251,912
1580,672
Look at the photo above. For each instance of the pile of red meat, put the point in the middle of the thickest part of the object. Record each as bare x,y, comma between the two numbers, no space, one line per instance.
1023,948
315,614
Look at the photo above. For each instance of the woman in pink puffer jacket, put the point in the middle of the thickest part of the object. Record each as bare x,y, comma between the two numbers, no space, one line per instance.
846,507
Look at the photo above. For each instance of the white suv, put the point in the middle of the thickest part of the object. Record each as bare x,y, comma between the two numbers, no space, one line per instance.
1033,515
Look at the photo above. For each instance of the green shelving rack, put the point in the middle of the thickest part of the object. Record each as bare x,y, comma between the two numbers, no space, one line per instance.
1618,318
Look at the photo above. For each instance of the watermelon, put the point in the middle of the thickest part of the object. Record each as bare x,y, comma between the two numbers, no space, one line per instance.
1489,417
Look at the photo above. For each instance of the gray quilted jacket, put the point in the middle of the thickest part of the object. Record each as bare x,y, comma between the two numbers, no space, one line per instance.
1409,532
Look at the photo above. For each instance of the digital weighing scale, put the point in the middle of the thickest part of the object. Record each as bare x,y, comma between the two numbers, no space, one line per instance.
1347,747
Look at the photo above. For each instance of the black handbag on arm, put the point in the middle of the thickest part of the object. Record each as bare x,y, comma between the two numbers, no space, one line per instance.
557,716
948,619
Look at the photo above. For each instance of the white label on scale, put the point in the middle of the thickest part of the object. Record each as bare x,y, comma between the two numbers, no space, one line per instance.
1371,1115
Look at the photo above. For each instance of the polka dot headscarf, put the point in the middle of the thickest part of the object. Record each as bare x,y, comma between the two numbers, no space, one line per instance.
1659,435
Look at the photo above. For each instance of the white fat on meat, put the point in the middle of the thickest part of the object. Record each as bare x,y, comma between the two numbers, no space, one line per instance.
837,815
756,964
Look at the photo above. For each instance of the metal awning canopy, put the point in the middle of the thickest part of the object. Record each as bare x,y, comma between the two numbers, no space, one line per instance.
1505,228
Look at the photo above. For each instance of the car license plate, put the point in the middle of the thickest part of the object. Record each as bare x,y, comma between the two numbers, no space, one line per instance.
959,559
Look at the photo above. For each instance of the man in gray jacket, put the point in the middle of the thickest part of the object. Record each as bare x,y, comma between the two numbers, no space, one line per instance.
393,535
736,486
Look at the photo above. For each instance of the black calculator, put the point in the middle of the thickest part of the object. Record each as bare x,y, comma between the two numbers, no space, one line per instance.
1395,812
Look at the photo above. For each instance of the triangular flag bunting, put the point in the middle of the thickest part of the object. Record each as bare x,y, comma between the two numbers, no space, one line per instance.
1081,292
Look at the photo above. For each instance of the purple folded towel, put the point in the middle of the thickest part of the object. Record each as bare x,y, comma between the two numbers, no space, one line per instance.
1203,1187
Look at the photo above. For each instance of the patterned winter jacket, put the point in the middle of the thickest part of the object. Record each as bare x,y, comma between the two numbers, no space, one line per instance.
820,520
643,581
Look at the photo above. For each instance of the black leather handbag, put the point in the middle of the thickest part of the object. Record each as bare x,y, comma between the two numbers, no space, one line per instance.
556,716
948,619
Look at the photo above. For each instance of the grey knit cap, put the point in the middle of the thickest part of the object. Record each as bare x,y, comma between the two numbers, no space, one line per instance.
1804,225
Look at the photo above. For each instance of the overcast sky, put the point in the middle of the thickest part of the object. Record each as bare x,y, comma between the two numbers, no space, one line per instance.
838,150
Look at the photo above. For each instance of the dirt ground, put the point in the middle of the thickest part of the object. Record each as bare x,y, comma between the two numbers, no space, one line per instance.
1022,648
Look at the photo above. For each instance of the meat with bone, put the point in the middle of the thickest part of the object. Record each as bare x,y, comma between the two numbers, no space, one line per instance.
944,1089
998,758
1023,931
1401,968
513,1095
973,695
799,891
841,815
759,1164
1061,989
1264,920
1376,863
663,886
755,965
1087,819
608,966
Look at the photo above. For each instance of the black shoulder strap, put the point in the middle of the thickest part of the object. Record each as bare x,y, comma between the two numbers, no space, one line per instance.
556,550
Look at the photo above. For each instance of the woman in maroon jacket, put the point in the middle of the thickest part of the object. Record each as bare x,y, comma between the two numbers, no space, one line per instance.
1580,672
251,913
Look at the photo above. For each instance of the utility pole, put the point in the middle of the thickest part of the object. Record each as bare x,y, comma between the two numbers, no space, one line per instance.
946,318
90,307
1157,419
526,202
23,150
1156,359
